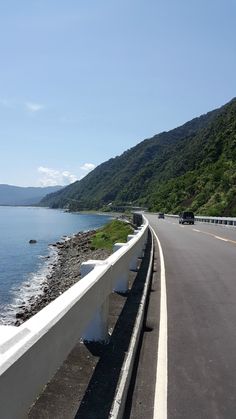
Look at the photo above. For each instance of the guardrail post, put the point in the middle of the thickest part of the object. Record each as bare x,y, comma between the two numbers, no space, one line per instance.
143,243
122,276
133,263
122,282
97,329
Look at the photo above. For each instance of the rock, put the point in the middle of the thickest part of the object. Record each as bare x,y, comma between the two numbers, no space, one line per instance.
63,274
32,241
20,315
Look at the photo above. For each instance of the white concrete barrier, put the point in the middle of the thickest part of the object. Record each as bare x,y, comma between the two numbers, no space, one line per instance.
31,353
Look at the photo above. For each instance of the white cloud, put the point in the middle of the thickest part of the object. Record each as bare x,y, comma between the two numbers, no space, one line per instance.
34,107
31,107
87,167
68,177
52,177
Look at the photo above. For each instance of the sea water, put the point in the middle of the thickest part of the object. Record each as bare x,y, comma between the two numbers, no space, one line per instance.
24,266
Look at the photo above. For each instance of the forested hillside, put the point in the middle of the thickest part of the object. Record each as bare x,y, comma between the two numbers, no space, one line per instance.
192,166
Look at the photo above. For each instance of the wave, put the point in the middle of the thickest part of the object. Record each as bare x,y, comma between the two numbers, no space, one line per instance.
29,289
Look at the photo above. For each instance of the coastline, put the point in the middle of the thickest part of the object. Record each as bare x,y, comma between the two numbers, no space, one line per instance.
65,272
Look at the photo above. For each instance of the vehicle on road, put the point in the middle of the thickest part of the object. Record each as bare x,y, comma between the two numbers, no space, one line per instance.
161,215
186,217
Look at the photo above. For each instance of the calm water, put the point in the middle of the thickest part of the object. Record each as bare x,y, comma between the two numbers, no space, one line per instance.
23,266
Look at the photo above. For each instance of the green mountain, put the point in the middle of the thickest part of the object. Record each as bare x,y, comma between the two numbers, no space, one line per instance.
192,166
18,195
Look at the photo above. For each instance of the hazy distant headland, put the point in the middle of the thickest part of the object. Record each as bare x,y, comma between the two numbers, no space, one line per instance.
17,195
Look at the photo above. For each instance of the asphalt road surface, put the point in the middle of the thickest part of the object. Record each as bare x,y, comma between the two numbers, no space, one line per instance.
197,361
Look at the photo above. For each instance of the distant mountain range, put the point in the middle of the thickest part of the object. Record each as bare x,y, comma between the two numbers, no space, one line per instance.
190,167
17,195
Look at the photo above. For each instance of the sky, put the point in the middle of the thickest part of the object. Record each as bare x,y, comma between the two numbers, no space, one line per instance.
83,81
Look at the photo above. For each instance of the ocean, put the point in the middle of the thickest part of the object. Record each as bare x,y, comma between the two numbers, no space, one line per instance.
23,266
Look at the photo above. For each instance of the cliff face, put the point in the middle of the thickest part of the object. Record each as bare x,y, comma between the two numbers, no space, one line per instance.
192,166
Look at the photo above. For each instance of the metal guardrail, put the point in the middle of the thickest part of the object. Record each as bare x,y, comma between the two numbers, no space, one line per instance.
217,220
211,220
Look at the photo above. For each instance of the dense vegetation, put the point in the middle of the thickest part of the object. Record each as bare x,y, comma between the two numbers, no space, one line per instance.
114,231
192,166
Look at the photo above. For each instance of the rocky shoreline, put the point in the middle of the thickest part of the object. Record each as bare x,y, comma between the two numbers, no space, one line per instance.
65,272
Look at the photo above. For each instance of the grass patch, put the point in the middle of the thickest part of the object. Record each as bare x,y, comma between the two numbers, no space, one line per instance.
114,231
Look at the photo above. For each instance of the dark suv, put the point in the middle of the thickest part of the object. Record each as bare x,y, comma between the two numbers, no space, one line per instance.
186,217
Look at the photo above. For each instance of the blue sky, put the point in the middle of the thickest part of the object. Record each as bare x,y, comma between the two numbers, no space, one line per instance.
83,81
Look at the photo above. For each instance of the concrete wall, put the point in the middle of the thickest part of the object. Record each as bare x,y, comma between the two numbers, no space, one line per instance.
31,353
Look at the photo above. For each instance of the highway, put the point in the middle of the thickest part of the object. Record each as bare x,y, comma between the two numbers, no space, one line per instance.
196,365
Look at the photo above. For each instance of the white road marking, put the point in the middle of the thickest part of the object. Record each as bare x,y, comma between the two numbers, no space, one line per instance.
221,238
215,237
160,399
